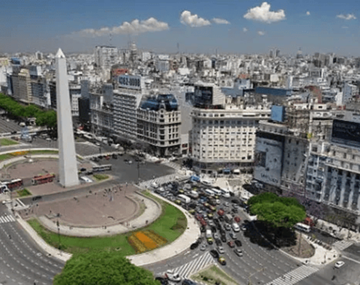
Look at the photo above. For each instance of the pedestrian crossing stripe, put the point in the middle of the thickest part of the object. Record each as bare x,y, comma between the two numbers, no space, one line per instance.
188,269
7,219
294,276
342,244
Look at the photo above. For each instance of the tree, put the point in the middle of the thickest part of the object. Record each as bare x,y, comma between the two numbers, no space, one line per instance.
103,268
277,211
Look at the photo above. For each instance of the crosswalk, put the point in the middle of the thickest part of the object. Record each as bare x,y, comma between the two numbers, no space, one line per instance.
7,219
161,180
187,269
294,276
342,244
172,165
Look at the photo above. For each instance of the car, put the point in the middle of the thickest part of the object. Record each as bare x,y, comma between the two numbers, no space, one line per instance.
172,276
210,241
178,202
221,219
339,264
233,236
222,260
114,156
192,211
231,244
214,253
216,235
194,245
188,282
82,169
238,252
223,238
220,250
238,243
202,229
234,210
227,204
163,281
200,239
243,227
218,242
130,162
203,247
227,227
210,216
213,229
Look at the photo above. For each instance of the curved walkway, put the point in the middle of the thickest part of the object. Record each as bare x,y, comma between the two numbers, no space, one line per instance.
151,213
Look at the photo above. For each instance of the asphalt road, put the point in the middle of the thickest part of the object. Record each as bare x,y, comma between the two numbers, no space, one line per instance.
263,264
21,261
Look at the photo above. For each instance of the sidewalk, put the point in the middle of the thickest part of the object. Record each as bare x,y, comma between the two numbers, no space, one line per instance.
178,246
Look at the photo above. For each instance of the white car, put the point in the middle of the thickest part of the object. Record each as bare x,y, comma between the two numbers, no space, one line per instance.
221,250
172,276
203,247
338,264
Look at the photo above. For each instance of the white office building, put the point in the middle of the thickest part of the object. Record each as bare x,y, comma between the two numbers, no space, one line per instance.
106,56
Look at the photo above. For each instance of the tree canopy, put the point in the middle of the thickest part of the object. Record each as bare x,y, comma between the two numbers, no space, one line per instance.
15,109
278,211
102,268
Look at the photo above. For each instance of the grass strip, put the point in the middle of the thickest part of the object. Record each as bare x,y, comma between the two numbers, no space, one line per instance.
23,193
5,142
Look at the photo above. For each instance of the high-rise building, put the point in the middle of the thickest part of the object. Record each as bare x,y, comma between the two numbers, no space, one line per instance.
106,56
22,86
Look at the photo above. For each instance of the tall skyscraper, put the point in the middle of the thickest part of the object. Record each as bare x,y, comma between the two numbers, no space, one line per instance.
68,173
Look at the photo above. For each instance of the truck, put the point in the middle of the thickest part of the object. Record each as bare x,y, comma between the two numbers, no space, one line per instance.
208,233
228,218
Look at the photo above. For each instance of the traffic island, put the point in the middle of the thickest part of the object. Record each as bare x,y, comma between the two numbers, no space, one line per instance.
213,275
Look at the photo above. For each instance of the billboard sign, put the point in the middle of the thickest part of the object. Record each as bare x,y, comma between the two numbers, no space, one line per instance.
129,81
345,132
268,161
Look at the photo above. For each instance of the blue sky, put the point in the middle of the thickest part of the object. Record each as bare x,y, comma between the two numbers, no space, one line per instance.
330,26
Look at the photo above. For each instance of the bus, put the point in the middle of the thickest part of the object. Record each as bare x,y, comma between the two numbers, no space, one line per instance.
104,167
42,179
302,227
183,198
15,183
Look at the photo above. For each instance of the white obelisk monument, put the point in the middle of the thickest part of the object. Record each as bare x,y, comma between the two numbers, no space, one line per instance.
68,173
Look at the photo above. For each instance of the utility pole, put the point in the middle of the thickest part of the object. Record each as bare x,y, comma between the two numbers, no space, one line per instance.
58,227
138,168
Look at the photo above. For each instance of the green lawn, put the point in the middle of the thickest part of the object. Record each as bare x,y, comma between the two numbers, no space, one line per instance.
5,156
5,141
213,274
24,192
100,177
170,225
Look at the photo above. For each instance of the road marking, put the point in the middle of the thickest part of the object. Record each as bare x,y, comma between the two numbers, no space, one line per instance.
294,276
349,258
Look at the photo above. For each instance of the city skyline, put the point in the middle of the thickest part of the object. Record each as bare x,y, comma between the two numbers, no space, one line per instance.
202,27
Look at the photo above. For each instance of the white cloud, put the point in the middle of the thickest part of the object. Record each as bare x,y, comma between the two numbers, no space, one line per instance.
261,33
220,21
193,20
346,17
134,27
307,13
245,30
263,14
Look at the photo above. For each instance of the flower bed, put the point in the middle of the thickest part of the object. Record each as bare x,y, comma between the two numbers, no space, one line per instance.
136,244
146,240
17,153
155,237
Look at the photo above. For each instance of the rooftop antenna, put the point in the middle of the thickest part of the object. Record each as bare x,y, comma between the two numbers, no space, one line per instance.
110,40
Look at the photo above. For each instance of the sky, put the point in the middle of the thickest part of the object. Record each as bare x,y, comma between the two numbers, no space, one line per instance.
193,26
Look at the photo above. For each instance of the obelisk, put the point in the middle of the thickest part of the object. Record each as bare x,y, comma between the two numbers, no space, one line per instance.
68,173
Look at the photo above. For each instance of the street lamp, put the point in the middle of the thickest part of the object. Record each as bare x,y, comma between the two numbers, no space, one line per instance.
58,227
138,168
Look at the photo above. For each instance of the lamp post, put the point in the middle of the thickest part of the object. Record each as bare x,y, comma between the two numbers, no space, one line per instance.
138,169
58,227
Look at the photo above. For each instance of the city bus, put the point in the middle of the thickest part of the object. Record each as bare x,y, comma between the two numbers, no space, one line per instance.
15,183
104,167
41,179
302,227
